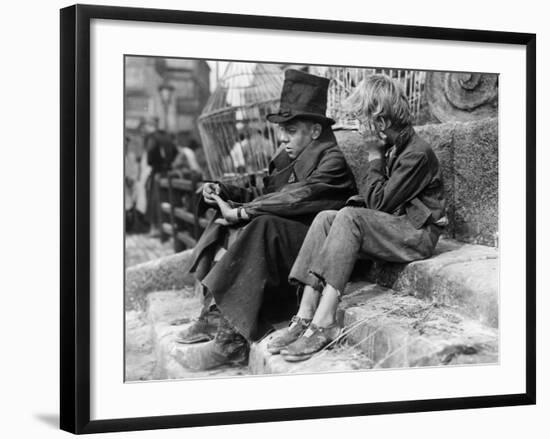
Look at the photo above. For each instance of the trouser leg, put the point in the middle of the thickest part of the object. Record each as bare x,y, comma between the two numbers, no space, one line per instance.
371,233
311,247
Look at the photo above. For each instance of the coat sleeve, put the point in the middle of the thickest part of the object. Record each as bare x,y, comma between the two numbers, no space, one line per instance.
327,187
235,193
232,194
412,174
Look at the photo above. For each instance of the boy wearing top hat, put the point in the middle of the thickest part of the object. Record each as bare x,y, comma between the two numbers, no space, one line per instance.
259,239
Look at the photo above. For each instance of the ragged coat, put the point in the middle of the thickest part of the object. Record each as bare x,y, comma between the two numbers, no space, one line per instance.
317,180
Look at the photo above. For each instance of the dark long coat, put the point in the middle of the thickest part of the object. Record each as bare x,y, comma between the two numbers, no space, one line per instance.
250,282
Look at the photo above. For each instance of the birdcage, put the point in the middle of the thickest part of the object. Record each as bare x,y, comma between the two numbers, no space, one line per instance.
237,139
345,79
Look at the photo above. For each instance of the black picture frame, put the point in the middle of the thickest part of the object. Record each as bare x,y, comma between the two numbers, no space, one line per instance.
75,217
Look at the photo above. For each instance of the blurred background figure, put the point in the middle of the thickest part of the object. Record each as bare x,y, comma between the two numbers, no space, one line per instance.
136,172
161,153
131,174
186,160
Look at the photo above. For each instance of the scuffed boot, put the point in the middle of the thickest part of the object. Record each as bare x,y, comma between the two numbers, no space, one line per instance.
205,326
228,348
295,330
203,329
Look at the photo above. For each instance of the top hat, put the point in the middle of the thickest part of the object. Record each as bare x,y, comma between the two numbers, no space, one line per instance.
303,96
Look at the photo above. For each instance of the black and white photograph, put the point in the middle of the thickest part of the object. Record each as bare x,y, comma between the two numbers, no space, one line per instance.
275,220
286,219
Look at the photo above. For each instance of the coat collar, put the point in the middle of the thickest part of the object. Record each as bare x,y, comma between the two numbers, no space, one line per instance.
402,140
309,158
307,161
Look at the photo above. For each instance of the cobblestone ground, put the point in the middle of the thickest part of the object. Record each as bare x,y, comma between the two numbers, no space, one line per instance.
143,248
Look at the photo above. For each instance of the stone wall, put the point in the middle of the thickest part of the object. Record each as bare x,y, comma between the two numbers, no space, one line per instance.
166,273
468,153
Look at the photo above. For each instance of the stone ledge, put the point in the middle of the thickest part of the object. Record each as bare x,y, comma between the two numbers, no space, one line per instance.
166,273
164,308
343,359
168,353
438,315
139,359
463,276
394,331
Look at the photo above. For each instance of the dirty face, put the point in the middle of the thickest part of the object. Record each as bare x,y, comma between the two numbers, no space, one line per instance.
297,134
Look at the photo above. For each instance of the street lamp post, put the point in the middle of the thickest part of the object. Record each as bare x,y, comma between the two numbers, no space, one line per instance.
166,90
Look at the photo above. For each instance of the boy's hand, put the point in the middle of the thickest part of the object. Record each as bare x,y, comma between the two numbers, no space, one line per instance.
209,190
374,146
230,215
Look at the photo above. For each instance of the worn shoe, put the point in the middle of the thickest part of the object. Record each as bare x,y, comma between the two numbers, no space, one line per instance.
312,341
203,329
295,329
228,348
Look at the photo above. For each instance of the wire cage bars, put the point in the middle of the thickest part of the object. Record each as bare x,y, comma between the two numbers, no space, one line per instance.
237,139
345,79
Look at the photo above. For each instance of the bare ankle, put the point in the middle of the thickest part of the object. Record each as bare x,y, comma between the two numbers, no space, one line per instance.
306,313
324,322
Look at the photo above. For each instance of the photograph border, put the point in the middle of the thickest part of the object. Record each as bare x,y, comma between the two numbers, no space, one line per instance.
75,217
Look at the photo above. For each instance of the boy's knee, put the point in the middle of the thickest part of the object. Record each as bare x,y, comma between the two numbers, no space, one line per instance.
352,213
352,218
348,213
326,216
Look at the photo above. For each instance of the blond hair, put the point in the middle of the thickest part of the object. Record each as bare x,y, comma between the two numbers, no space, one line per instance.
379,95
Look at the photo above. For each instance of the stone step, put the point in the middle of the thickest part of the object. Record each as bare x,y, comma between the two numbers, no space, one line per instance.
461,276
383,329
340,358
386,329
165,308
139,359
396,330
443,310
168,313
166,273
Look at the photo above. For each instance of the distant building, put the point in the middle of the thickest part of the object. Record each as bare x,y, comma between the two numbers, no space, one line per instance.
191,82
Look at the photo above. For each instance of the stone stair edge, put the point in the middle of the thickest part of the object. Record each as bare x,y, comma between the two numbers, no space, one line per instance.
445,338
172,370
462,275
460,340
260,361
166,272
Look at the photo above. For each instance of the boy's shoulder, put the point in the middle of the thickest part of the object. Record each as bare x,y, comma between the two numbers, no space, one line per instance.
418,146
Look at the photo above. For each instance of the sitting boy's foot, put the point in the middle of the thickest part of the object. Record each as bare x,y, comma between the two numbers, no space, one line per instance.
202,329
227,348
312,341
289,335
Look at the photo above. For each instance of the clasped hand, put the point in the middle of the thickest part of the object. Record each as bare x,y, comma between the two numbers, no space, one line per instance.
208,190
210,193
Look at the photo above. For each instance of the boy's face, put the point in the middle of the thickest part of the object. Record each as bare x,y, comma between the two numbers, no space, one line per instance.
296,135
